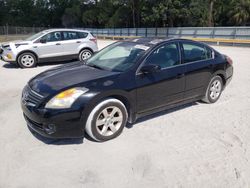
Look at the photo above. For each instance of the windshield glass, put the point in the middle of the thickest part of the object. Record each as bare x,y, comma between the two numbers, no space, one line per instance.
35,36
119,56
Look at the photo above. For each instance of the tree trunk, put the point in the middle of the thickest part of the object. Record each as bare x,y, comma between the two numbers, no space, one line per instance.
210,13
133,12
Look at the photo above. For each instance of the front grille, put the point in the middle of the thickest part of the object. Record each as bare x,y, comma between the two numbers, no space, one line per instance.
31,97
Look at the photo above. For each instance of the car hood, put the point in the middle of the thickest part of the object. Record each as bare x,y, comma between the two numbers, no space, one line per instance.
64,77
15,42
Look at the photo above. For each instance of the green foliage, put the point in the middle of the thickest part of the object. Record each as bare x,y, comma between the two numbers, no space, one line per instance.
124,13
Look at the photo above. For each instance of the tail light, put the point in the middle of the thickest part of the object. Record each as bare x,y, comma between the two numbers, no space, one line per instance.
229,60
93,40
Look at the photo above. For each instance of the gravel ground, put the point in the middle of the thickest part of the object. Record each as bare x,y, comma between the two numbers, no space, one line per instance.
197,145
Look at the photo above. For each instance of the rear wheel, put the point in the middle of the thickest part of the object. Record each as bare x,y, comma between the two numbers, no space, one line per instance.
27,60
107,120
85,54
214,90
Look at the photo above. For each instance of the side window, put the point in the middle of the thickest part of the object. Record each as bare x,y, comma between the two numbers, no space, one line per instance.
52,37
70,35
193,52
165,56
82,35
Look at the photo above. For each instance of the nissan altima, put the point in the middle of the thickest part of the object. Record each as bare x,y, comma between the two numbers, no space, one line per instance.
121,83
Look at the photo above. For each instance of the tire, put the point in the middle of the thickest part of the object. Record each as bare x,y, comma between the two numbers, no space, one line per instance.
27,60
102,125
85,54
214,90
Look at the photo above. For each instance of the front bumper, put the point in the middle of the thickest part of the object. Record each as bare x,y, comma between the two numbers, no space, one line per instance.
54,123
7,56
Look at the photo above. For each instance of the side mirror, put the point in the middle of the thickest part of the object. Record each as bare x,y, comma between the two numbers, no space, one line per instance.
150,69
43,41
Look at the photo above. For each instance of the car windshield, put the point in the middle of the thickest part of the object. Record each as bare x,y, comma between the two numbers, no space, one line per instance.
119,56
35,36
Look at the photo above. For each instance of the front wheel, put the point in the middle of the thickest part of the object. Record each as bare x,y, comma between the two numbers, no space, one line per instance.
107,120
85,54
27,60
214,90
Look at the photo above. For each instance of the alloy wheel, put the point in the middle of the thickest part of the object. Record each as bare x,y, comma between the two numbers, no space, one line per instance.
215,89
109,121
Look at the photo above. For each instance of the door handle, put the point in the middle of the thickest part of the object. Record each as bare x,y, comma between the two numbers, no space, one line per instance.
180,76
78,42
58,44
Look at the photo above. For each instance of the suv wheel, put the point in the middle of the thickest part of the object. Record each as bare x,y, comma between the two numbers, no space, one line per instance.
27,60
85,54
107,120
214,90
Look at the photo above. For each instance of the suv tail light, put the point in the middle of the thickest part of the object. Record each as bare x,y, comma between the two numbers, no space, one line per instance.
93,40
229,60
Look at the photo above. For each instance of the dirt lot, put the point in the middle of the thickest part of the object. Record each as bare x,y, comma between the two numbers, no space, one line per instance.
197,145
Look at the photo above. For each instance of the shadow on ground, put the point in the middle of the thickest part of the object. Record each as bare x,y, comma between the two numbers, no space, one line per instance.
74,141
15,66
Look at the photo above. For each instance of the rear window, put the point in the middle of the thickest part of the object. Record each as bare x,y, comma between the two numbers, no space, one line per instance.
193,52
70,35
82,35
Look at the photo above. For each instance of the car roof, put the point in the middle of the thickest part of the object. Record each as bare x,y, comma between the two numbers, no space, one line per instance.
153,41
64,29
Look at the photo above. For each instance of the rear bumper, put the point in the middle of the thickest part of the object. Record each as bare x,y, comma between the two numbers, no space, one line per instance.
229,74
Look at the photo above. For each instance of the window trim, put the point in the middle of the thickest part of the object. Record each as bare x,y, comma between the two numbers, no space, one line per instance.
138,72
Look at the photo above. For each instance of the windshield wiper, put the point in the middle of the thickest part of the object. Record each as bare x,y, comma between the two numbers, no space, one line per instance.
95,66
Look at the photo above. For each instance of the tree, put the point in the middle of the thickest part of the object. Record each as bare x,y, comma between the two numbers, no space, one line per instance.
211,11
240,14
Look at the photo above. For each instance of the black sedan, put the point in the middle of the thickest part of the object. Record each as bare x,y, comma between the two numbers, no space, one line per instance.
121,83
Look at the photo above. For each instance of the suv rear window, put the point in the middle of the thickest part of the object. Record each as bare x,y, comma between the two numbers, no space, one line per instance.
82,35
70,35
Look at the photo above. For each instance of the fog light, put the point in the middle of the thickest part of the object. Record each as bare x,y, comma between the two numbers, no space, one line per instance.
9,56
50,129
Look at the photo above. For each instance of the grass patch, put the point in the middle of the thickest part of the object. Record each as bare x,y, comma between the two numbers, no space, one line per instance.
5,38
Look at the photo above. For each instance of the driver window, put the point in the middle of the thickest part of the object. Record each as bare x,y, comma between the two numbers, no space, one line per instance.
165,56
52,37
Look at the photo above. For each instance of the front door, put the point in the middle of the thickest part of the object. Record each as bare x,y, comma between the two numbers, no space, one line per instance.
165,86
51,46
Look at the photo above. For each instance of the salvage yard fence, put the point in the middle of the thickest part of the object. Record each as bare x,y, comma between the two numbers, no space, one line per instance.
226,34
191,32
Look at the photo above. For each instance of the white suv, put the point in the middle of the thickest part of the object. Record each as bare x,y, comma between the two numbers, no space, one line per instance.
50,45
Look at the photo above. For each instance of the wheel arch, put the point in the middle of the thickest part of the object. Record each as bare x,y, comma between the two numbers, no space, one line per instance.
27,51
220,73
127,103
122,96
86,48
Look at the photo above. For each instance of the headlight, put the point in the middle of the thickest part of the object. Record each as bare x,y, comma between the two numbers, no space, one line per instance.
66,98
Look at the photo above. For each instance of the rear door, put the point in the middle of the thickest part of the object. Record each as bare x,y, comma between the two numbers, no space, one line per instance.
164,87
72,40
198,64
